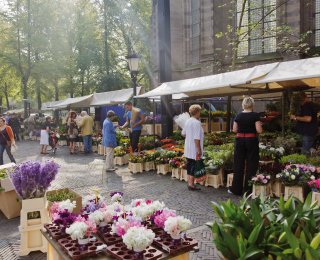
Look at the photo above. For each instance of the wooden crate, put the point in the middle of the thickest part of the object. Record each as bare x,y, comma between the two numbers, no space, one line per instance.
124,160
277,188
149,166
215,180
136,167
10,204
100,149
229,179
261,190
163,169
316,197
295,191
176,173
184,175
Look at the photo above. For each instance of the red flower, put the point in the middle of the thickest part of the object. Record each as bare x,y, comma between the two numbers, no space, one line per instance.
138,203
148,202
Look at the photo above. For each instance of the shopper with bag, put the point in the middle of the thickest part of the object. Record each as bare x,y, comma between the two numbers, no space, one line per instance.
6,140
193,148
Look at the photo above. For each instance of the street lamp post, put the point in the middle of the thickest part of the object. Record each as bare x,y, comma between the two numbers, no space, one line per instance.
133,61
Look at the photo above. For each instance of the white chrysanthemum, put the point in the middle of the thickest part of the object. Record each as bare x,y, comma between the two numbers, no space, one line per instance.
116,198
67,205
293,177
312,177
77,230
175,225
97,217
138,238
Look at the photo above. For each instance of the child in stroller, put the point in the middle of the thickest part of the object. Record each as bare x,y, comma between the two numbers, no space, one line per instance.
53,140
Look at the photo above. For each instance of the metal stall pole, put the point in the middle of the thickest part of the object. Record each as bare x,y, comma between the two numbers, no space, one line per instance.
154,123
283,110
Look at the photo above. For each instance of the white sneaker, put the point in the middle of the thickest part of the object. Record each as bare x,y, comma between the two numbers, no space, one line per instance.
229,191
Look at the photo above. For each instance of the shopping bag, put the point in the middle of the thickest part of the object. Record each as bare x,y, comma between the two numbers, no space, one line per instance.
199,172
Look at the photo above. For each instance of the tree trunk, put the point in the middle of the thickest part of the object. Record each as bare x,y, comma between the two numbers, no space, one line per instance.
1,108
6,94
38,91
106,48
56,90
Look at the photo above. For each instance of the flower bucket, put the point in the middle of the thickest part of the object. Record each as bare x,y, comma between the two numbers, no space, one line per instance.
295,191
149,166
33,205
215,180
163,169
176,173
316,197
261,190
123,160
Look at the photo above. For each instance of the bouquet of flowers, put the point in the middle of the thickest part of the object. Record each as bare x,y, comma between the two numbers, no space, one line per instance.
138,238
61,213
96,217
178,162
175,225
119,151
261,179
161,216
314,185
81,229
32,179
297,174
146,209
121,226
116,197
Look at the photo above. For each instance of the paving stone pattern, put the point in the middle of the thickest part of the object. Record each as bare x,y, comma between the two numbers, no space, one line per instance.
84,172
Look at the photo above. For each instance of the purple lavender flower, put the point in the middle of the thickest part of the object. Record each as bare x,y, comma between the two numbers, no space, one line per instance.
116,192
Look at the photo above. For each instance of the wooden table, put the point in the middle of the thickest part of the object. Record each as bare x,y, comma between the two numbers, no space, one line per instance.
55,252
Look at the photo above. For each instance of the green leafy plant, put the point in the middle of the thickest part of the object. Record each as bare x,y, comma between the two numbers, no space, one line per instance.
164,156
294,158
60,195
119,151
136,158
264,228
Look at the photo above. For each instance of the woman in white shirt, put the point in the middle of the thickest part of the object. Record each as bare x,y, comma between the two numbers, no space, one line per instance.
193,148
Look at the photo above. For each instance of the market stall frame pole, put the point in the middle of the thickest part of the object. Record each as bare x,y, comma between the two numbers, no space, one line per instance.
154,122
283,110
165,71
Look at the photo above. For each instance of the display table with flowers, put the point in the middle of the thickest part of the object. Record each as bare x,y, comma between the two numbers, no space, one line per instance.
295,178
143,229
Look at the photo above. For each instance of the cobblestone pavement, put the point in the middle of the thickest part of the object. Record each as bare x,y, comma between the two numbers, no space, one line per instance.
83,172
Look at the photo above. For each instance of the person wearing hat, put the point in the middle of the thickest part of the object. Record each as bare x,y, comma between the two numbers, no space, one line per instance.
307,123
109,140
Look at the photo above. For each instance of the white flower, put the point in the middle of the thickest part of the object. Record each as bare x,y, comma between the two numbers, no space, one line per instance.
156,205
97,217
175,225
138,238
261,146
293,177
142,212
67,205
287,174
116,198
272,149
135,202
77,230
86,200
312,177
278,176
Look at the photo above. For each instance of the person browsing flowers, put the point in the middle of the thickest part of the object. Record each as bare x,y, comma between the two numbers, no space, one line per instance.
109,140
6,140
193,148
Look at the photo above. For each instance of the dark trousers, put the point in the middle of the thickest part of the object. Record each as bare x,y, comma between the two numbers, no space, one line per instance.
16,133
8,150
134,140
246,163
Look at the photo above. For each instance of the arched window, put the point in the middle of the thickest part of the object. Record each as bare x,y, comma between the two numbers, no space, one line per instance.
258,27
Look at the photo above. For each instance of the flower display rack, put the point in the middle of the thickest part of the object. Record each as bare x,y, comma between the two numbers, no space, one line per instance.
74,251
316,197
124,160
229,179
105,234
55,231
149,166
184,175
30,230
169,245
176,173
277,188
215,180
163,169
295,191
120,251
135,167
263,190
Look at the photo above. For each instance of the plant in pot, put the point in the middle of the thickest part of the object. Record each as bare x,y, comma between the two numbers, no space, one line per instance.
138,239
314,185
119,151
295,178
62,214
123,224
261,185
175,226
294,159
161,216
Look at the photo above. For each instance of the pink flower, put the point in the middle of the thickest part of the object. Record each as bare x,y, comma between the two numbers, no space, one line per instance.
265,181
161,219
138,203
148,202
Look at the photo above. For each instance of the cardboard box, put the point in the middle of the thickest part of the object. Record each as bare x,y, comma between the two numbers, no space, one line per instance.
10,204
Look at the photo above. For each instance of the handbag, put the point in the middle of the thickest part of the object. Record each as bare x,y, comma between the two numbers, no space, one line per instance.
199,170
8,141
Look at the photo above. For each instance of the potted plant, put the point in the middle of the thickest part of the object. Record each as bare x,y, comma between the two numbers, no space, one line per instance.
295,178
315,188
177,164
62,195
269,154
121,157
148,159
160,217
62,214
261,185
162,159
272,169
31,181
136,163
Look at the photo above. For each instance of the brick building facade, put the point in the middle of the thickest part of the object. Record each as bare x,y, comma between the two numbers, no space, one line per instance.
200,45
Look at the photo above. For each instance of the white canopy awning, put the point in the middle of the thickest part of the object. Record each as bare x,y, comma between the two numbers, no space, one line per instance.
297,73
215,85
113,97
49,105
76,102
